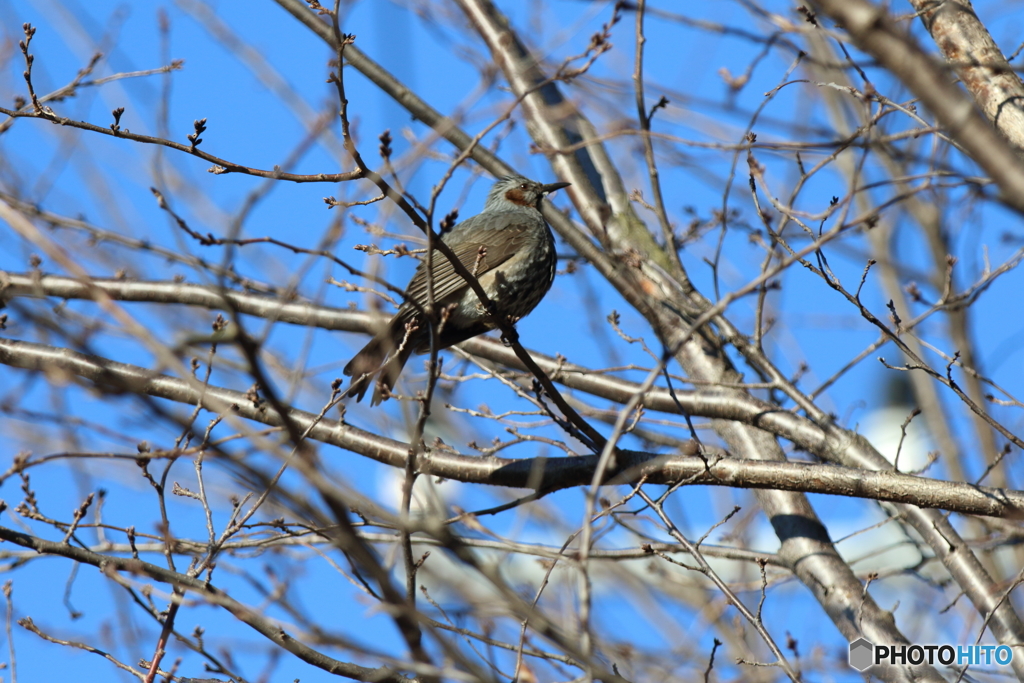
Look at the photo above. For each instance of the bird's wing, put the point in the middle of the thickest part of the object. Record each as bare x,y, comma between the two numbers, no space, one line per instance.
499,244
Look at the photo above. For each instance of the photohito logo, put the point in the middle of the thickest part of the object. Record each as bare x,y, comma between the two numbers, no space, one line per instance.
864,653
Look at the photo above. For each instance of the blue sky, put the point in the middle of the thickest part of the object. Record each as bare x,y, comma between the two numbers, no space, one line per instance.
107,181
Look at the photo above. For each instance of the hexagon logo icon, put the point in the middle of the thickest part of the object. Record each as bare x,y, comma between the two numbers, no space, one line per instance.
862,654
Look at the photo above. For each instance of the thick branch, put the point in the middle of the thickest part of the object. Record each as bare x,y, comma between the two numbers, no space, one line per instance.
969,48
874,32
557,473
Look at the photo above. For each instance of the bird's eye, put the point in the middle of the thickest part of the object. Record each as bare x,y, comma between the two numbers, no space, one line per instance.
523,186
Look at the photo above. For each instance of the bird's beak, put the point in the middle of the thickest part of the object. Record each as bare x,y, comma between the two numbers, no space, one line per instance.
548,189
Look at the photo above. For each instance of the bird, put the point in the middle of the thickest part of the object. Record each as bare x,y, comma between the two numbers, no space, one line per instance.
508,247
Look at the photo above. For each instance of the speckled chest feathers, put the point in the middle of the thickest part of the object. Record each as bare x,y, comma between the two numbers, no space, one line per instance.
515,267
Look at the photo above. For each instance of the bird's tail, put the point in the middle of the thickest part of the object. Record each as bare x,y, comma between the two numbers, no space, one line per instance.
383,354
389,375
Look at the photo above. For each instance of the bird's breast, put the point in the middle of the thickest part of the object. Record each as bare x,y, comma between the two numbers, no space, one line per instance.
518,284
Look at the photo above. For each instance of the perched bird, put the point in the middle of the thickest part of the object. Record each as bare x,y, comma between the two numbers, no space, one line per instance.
508,246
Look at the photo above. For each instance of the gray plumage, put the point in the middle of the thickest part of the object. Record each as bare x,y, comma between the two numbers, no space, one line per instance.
510,249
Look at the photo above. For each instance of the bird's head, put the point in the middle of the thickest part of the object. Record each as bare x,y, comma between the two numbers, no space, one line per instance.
514,191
